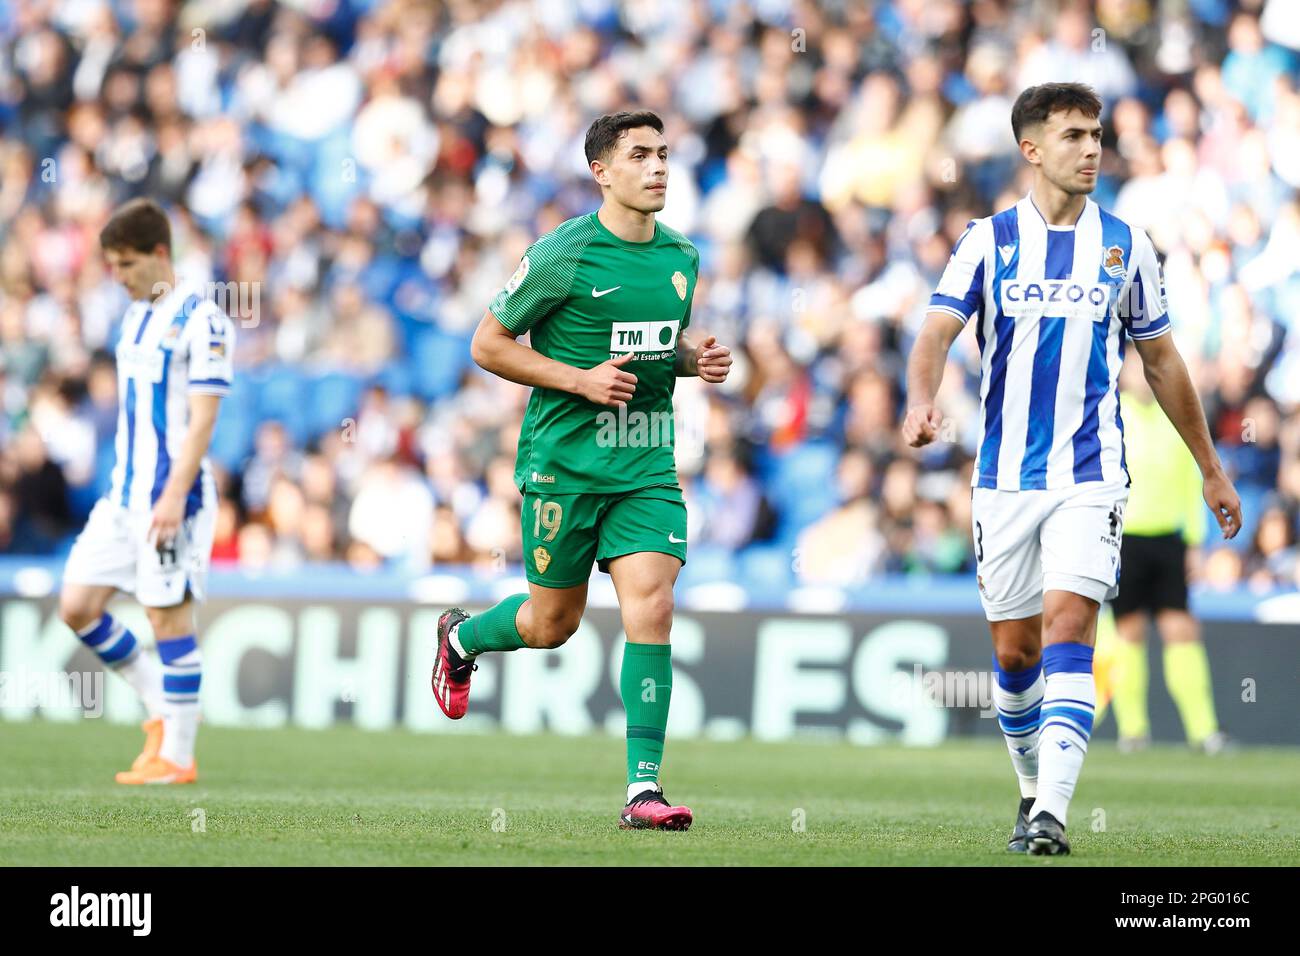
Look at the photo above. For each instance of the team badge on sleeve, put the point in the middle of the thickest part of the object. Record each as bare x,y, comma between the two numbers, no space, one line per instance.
679,283
520,274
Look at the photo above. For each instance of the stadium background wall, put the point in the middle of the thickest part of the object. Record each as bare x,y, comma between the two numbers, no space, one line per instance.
862,677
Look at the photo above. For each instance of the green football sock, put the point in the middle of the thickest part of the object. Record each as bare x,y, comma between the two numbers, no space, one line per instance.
494,629
1187,675
1130,699
646,684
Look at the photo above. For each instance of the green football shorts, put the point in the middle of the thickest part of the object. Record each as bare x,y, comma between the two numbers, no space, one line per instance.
563,534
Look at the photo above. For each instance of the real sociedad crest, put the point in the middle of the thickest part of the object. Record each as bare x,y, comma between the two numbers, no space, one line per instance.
1113,262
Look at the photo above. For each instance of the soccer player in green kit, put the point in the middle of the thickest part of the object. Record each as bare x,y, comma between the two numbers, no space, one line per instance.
607,299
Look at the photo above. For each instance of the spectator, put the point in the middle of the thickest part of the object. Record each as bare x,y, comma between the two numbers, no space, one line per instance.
730,501
367,182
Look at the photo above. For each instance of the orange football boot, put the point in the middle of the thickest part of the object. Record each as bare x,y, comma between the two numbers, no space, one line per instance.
153,733
159,770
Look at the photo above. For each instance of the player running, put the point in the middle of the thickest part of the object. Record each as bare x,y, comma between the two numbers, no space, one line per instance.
152,533
607,299
1054,285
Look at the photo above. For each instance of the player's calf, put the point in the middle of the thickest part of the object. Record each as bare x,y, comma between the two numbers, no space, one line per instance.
1066,717
182,676
120,652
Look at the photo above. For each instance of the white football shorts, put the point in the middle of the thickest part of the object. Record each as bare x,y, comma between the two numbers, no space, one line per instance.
113,550
1028,542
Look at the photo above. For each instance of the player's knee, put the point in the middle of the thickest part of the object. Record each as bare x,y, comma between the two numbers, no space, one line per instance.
169,622
552,632
76,614
1013,659
656,611
1067,627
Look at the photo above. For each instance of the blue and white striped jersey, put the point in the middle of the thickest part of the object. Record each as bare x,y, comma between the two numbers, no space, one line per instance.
1052,305
168,349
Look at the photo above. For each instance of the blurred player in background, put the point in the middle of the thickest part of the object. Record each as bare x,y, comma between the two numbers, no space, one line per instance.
1054,284
606,298
1164,519
152,533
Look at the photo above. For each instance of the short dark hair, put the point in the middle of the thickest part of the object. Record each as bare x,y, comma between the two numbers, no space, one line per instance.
1037,103
603,135
139,224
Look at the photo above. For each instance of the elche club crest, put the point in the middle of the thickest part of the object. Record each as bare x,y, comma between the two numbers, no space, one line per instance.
679,283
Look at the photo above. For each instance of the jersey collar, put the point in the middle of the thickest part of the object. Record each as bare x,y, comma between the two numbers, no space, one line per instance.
1029,200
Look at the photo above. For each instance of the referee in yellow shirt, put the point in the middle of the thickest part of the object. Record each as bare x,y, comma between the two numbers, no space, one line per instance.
1164,517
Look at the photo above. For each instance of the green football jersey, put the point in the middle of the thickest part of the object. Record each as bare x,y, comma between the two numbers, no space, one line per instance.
588,296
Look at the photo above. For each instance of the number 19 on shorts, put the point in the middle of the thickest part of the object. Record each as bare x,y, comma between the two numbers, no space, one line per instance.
548,515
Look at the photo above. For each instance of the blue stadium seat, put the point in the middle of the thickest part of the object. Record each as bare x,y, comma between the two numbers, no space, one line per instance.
802,486
381,276
281,392
1253,501
706,564
232,440
440,360
329,160
334,397
766,568
398,377
413,294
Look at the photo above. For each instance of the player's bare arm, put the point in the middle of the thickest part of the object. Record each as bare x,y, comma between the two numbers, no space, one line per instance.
497,350
1166,373
169,510
709,360
925,375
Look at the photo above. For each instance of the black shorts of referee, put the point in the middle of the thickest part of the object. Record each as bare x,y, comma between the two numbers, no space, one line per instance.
1152,574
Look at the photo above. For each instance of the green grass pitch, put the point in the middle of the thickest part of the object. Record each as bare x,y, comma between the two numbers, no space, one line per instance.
343,796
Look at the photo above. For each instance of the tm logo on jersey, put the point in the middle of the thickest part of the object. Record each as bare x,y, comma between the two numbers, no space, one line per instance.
646,339
1064,298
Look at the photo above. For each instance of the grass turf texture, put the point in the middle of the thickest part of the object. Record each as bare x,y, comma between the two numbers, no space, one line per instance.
344,796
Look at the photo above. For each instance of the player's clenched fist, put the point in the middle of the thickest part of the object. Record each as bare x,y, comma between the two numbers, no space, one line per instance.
712,361
607,383
921,426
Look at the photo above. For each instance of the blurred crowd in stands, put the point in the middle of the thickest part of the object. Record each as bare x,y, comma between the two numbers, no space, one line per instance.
372,170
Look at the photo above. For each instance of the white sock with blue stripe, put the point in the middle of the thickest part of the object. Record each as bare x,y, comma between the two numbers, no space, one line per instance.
182,673
119,650
1065,725
1018,696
